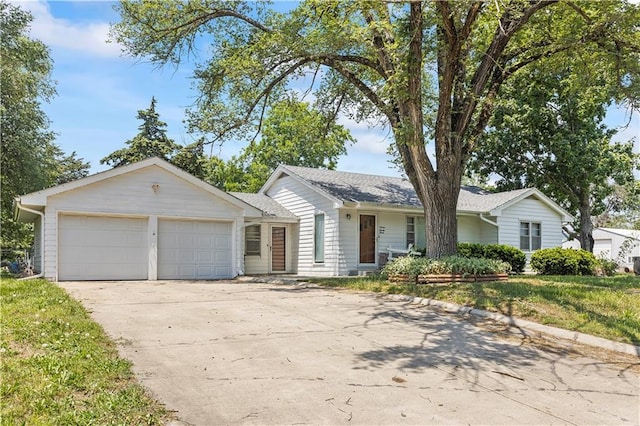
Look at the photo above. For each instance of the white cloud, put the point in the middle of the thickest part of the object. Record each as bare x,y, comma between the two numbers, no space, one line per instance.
90,37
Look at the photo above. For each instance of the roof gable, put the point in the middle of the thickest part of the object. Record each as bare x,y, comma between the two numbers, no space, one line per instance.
39,198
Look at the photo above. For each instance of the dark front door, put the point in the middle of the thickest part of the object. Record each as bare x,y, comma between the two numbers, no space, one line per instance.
278,260
367,238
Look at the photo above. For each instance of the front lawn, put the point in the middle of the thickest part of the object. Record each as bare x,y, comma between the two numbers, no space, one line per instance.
59,367
606,307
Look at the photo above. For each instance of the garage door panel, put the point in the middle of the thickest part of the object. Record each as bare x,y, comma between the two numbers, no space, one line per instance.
194,249
102,248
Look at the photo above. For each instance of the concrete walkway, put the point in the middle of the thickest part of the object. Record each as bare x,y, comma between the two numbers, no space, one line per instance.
248,353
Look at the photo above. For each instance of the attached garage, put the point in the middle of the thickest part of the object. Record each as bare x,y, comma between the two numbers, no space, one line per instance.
144,221
190,249
102,248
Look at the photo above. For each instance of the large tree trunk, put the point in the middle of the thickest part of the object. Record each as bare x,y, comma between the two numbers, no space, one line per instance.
441,227
585,233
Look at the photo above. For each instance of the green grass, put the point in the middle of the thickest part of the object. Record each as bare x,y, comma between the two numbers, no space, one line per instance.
606,307
59,367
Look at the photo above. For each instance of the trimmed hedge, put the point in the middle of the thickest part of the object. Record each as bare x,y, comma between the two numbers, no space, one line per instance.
513,256
559,261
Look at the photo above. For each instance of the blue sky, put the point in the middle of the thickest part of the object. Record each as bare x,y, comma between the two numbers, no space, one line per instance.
100,92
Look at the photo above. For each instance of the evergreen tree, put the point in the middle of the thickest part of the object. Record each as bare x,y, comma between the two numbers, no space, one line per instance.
152,141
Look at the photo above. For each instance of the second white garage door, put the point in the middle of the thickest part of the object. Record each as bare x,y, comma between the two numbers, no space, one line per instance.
190,249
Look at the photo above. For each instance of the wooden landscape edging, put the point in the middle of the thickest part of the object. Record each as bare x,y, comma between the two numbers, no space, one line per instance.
448,278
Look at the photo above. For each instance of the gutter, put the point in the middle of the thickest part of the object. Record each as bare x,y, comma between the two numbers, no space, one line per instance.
21,207
484,219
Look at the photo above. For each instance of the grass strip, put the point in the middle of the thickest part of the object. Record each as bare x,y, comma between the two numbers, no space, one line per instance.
59,367
607,307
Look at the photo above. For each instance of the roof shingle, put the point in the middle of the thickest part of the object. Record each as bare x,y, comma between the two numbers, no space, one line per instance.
394,191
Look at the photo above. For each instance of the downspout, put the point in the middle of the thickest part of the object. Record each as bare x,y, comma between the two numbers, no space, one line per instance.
41,274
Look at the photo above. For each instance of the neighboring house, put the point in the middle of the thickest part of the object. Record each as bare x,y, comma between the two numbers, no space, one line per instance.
350,222
619,245
151,220
148,220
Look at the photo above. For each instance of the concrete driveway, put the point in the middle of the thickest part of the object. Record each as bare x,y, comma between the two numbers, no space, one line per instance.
246,353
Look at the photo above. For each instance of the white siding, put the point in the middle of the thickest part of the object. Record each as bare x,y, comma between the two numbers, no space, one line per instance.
530,210
395,231
305,204
471,229
349,228
132,194
258,264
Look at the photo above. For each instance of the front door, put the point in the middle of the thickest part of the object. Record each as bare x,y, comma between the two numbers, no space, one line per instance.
367,239
278,249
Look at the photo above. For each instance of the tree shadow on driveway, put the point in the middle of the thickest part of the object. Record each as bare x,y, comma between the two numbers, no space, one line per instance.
449,342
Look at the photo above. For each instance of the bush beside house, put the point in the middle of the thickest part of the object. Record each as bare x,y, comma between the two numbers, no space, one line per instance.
559,261
513,256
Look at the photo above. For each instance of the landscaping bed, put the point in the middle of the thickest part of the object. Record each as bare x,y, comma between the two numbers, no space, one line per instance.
446,278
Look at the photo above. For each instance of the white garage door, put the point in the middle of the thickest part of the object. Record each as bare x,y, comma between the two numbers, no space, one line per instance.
602,248
102,248
194,249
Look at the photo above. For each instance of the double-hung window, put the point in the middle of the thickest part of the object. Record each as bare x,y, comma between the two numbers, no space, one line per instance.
411,230
318,238
252,240
530,236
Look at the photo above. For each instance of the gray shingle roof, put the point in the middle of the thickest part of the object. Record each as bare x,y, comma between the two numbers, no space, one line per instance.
393,191
266,204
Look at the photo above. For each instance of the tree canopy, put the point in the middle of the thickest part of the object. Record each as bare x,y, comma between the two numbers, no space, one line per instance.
549,133
431,71
292,133
30,160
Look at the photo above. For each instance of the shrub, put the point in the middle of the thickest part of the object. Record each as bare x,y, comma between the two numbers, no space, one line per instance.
559,261
513,256
414,266
607,266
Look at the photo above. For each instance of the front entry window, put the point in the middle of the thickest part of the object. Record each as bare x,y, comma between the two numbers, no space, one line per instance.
318,239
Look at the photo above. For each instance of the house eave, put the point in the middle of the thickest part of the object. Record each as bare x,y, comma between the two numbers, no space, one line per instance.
357,205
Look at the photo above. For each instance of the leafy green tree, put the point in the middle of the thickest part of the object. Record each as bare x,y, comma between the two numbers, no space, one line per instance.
550,134
622,207
191,159
292,133
152,141
226,175
26,141
431,71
